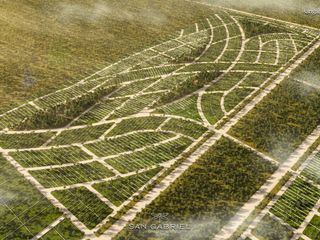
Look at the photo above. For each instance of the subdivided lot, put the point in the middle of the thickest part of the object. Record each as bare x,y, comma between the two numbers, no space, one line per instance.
80,135
312,170
185,127
211,106
313,229
24,210
51,156
64,230
270,228
121,189
227,82
99,111
130,142
296,203
149,156
145,73
186,107
84,204
135,124
134,87
235,97
149,65
282,120
208,194
134,105
57,177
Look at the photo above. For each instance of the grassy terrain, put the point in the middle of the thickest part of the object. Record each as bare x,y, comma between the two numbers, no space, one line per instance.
313,229
24,211
121,189
208,193
86,206
48,44
64,230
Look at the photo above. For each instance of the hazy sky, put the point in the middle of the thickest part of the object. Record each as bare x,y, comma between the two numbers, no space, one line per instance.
273,4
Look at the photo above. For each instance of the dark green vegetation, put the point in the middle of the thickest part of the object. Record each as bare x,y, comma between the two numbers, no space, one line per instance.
253,29
99,111
313,229
64,230
271,229
261,206
296,203
86,206
63,113
282,120
190,55
210,191
190,85
52,43
24,211
121,189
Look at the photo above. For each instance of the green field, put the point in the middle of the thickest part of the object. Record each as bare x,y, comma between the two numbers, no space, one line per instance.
57,43
64,230
313,229
84,204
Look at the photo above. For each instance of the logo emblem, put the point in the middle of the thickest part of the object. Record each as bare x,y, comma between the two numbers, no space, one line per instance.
160,216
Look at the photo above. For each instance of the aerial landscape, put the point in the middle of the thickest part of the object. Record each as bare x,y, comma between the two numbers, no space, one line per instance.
160,120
